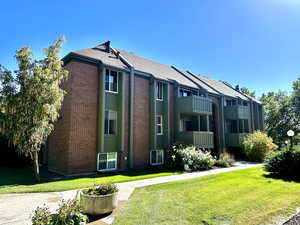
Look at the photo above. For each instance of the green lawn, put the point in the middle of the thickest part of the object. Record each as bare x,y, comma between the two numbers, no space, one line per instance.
17,180
242,197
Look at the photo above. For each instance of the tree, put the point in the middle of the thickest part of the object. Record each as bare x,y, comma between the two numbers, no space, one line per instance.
281,115
296,93
248,92
31,99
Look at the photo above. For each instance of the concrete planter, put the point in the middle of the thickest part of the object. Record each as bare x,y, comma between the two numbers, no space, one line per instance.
98,204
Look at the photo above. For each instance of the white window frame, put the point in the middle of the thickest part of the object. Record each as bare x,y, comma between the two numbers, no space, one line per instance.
159,124
116,123
109,74
159,85
107,169
162,158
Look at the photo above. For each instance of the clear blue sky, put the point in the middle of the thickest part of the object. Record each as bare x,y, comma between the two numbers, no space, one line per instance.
253,43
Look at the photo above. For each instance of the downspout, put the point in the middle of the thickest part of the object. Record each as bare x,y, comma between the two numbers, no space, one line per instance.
131,108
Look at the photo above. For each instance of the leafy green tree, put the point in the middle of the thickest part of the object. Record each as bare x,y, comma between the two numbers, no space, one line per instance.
281,115
31,99
248,92
296,93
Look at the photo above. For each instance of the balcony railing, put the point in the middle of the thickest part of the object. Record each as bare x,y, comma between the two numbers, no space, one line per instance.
194,104
197,138
235,140
237,112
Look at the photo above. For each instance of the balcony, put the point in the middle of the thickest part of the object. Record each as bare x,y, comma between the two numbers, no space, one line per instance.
197,138
237,112
234,140
194,104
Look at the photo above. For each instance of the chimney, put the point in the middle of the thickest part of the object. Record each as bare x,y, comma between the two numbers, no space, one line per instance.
118,54
107,45
237,87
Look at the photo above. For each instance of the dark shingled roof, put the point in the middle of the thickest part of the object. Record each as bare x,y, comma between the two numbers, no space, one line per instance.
158,70
161,71
99,53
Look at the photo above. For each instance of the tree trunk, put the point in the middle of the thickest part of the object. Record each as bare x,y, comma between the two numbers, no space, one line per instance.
36,167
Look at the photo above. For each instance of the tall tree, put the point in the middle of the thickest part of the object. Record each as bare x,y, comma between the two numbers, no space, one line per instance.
31,99
281,115
248,92
296,93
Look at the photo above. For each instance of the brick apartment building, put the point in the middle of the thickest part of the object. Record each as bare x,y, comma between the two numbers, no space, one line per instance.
123,111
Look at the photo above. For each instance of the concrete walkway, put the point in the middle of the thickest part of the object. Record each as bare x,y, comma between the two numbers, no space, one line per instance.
17,209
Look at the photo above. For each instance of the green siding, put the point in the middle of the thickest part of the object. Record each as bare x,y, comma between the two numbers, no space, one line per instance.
194,104
234,140
116,102
198,138
237,112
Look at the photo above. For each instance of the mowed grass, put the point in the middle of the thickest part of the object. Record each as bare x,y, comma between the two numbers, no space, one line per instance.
242,197
21,180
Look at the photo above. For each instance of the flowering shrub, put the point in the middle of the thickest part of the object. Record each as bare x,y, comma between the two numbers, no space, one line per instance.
68,213
258,145
195,158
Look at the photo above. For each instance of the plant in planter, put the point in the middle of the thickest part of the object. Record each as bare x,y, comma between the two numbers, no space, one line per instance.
68,213
99,199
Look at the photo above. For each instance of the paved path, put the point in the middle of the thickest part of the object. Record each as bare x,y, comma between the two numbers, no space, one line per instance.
16,209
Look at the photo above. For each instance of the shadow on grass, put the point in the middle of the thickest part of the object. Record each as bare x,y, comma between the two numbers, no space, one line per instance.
288,178
11,176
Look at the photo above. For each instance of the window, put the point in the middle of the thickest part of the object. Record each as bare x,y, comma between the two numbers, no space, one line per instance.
111,81
159,91
245,103
186,125
157,157
159,126
184,93
231,126
107,161
110,124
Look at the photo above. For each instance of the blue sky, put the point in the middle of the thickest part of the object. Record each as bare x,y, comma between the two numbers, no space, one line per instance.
253,43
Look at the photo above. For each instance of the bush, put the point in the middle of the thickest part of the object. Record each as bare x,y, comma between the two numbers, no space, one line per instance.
68,213
284,163
192,156
102,189
257,146
225,160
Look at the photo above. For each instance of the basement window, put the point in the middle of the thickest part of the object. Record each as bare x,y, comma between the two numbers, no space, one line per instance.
157,157
159,91
159,125
111,81
107,161
110,123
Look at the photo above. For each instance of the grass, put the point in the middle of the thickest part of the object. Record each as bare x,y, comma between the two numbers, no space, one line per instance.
21,180
245,197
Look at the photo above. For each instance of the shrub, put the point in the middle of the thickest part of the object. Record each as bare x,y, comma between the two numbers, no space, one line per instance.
192,156
257,145
68,213
102,189
284,163
225,160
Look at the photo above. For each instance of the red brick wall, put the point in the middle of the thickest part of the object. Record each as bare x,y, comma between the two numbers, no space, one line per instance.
58,142
141,122
84,109
72,146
